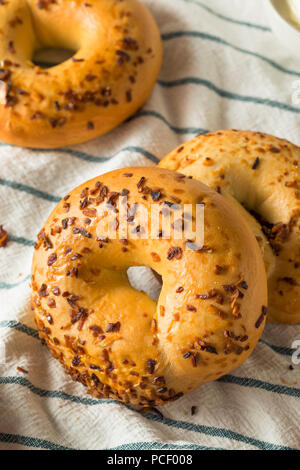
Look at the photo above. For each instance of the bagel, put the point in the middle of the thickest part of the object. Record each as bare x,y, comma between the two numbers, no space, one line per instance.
116,340
111,74
261,173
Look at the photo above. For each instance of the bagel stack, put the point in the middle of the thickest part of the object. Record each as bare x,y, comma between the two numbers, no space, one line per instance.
260,175
116,340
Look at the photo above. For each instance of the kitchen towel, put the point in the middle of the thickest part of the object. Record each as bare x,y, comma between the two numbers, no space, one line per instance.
223,68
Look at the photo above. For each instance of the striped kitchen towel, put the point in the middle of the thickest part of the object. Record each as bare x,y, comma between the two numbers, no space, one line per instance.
222,68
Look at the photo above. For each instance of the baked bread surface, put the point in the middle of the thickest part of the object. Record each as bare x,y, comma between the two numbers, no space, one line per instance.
260,174
117,57
115,339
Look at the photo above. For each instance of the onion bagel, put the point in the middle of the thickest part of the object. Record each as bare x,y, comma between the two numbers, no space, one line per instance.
261,173
116,340
117,58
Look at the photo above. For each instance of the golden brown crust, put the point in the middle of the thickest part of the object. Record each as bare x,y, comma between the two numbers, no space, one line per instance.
262,173
109,78
116,340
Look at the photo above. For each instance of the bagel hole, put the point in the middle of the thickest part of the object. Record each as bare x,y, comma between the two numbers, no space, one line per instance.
146,280
51,56
269,229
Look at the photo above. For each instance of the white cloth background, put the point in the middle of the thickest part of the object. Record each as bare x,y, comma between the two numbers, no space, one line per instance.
222,68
